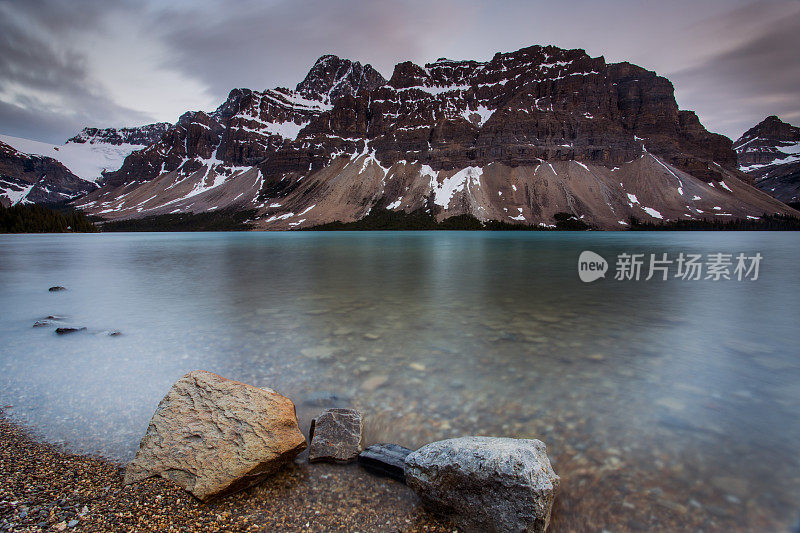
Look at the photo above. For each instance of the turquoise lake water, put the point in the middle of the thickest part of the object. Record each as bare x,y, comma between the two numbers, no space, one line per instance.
691,388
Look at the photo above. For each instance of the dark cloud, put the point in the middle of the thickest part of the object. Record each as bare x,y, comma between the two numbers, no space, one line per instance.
737,88
47,91
260,45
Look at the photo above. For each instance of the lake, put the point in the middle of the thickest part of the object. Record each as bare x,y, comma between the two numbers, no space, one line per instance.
657,400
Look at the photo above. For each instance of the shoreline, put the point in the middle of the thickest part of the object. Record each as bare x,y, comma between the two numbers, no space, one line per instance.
46,488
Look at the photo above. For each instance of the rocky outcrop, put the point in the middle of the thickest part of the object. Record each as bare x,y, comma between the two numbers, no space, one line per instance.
770,153
28,178
332,78
194,137
336,436
141,135
485,483
214,436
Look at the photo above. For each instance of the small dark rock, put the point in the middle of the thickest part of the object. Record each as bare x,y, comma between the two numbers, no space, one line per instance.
385,460
41,324
57,288
114,333
55,317
335,436
64,331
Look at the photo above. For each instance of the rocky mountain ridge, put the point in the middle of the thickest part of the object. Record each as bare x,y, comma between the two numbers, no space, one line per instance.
138,135
770,153
518,138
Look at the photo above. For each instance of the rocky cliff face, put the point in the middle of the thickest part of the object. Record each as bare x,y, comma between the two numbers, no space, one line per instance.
36,179
770,153
518,138
140,135
331,78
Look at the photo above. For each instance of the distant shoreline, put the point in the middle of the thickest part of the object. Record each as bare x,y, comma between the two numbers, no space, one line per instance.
60,219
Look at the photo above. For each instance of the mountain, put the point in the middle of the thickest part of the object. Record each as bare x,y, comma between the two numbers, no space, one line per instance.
93,151
28,178
520,138
770,153
220,150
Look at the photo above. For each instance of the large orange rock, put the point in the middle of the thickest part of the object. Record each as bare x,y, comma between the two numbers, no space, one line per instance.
213,436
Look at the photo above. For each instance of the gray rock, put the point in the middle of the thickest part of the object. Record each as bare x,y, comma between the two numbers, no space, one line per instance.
385,460
41,324
485,483
214,436
336,436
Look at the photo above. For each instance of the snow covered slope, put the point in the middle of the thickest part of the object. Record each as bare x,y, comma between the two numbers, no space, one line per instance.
85,160
31,179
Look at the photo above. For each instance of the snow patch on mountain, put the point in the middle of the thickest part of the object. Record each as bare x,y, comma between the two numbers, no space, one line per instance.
478,116
443,192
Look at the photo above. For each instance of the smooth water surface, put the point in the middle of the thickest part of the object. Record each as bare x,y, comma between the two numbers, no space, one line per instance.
685,393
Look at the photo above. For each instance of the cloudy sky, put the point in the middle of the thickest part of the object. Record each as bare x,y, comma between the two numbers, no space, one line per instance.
70,63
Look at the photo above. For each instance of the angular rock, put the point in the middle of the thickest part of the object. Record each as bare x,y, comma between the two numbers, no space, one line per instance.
485,483
385,460
65,331
213,436
336,436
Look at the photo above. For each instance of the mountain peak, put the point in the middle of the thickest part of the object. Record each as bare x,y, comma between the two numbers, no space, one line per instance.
770,153
332,77
773,129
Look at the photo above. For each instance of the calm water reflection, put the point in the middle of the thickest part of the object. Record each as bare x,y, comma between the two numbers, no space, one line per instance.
688,387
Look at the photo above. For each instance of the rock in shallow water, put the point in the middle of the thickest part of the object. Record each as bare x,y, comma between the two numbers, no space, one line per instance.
65,331
57,288
213,436
335,436
485,483
385,460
